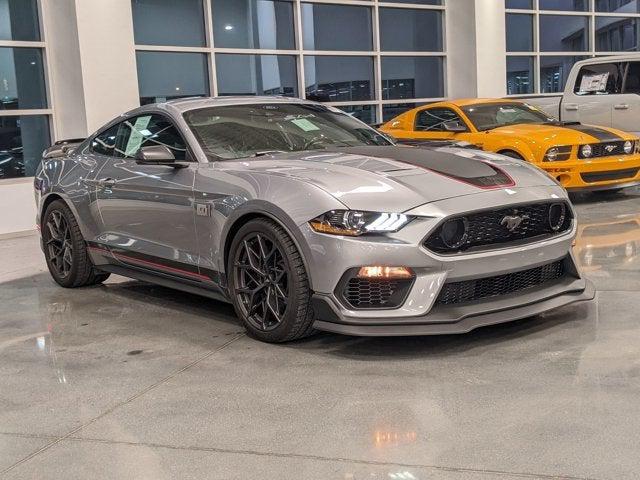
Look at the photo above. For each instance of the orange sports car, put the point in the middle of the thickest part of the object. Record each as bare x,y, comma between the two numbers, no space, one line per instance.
578,156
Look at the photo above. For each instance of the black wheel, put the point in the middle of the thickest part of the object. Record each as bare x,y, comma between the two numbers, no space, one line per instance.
268,283
512,154
65,250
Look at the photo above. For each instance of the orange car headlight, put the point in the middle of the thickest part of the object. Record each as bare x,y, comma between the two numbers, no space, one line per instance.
558,154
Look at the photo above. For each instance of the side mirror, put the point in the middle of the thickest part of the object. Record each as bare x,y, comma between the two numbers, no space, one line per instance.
454,127
155,155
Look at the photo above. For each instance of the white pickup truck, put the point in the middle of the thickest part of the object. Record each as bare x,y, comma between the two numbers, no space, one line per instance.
599,91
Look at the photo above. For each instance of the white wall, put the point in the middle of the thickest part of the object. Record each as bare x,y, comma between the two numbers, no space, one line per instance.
17,206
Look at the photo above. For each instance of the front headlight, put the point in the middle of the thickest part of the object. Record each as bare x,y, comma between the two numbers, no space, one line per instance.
628,147
355,222
557,154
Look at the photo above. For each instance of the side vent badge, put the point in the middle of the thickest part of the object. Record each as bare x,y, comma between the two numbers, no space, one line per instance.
203,209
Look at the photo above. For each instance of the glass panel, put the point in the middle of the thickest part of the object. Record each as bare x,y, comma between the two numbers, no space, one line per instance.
616,34
167,22
392,110
257,75
522,4
600,79
148,131
253,24
632,83
520,78
434,119
366,113
568,5
618,6
336,27
519,33
21,79
240,131
405,29
420,2
338,79
412,77
105,143
164,76
554,72
563,33
19,20
22,140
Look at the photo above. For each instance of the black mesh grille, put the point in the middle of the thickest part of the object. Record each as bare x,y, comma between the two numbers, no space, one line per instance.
364,293
472,290
613,175
605,149
489,228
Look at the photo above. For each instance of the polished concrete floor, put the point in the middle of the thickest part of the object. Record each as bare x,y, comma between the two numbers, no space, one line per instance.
133,381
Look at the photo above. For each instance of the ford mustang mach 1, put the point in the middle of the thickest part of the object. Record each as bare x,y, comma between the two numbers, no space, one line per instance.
307,219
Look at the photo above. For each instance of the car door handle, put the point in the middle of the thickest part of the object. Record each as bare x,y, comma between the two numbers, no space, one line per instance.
571,107
106,182
621,106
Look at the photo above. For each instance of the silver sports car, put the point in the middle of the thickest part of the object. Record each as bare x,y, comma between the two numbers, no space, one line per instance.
307,219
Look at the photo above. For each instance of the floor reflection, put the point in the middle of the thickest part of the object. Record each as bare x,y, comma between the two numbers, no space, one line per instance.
608,243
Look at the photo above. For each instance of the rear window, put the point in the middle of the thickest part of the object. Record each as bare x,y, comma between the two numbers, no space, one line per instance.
600,79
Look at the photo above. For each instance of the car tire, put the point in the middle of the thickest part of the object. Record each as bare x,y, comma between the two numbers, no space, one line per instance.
65,249
268,283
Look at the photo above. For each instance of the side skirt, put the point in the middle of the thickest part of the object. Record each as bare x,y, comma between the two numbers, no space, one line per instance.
165,281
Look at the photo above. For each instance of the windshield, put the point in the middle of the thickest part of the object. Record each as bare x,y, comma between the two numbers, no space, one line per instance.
239,131
493,115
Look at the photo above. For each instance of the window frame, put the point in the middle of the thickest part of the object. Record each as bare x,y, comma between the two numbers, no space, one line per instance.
538,55
189,154
48,111
378,103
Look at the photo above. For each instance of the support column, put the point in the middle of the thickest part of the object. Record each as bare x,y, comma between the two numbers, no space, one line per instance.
476,48
91,63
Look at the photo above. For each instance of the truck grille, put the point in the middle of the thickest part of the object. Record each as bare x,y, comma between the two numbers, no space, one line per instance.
593,177
474,290
489,228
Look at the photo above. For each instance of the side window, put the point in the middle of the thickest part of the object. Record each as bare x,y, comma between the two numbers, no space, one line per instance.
433,119
105,143
600,79
149,130
632,82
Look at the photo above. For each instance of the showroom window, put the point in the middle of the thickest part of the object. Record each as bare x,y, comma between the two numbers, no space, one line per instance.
546,37
371,58
24,106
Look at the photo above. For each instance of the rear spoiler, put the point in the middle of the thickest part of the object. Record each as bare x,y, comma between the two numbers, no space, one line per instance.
62,148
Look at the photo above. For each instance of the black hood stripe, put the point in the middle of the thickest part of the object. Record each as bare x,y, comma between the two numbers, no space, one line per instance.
600,133
473,171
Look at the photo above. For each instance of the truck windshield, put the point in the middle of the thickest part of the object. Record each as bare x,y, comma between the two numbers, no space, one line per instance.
240,131
486,116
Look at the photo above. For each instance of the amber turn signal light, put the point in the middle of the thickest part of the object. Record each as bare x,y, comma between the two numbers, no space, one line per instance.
385,272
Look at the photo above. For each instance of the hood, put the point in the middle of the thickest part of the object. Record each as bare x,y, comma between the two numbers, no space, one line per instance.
398,178
563,134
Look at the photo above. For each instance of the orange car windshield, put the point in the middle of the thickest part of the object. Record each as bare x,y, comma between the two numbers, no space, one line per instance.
487,116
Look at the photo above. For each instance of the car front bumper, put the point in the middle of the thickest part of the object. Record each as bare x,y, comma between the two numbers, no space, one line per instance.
595,174
420,313
456,319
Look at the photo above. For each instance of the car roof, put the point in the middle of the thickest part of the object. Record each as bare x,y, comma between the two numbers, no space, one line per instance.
465,102
192,103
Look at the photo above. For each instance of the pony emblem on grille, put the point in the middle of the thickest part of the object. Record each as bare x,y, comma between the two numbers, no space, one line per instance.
513,221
